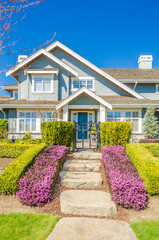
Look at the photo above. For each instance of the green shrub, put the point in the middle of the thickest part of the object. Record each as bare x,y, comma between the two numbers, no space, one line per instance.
115,133
147,166
29,141
57,132
5,140
12,150
11,175
153,148
27,136
3,127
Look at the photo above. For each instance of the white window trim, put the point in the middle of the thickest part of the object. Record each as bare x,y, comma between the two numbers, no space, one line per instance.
157,92
18,118
42,77
72,112
122,118
82,78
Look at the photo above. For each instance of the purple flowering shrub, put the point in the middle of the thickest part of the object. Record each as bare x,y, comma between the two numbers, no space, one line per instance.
127,186
36,187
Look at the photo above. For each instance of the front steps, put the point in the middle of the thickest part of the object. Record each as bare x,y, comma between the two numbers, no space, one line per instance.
82,165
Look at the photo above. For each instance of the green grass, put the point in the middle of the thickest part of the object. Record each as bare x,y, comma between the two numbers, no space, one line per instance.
148,230
26,226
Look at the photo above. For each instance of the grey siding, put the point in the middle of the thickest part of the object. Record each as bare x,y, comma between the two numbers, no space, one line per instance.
84,99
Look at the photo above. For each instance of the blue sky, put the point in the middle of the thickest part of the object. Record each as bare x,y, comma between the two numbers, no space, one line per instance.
111,34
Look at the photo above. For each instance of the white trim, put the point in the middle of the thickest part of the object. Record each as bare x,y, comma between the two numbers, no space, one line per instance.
18,118
72,112
102,113
79,92
37,54
93,67
83,106
42,77
81,79
9,87
30,71
65,113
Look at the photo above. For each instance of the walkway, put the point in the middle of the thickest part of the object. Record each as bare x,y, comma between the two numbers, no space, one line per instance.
83,197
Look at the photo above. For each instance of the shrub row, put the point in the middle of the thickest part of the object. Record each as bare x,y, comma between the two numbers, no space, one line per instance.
12,150
3,127
153,148
126,184
36,187
11,175
57,132
115,133
147,166
29,141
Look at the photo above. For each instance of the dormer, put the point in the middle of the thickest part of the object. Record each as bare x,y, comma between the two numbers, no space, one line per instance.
12,89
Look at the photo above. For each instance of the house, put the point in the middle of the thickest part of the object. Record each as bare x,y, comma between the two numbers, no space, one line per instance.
57,83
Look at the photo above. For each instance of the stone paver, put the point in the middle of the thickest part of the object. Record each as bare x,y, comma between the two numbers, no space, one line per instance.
91,229
87,202
81,179
86,155
82,165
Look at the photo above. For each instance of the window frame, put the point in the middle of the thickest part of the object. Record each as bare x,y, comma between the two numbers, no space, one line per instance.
157,91
82,79
42,78
26,118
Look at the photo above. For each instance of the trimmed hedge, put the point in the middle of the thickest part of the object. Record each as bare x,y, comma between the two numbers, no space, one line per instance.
12,150
3,126
29,141
11,175
115,133
57,132
153,148
36,187
147,166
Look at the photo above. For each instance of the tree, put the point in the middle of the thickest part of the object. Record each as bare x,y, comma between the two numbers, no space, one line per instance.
150,125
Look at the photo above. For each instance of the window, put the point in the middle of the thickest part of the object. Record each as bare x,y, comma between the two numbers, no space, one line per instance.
42,84
79,83
48,116
16,95
157,88
133,116
74,117
27,121
113,116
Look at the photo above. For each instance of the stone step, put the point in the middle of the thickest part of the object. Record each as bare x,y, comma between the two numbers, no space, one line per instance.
74,228
82,165
85,155
81,179
87,203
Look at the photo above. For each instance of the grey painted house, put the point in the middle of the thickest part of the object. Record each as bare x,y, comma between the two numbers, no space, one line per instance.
57,83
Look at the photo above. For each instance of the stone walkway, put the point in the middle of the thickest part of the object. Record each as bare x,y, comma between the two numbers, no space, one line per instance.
81,177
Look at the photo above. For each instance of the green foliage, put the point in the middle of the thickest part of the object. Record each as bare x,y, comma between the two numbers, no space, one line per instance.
26,226
57,132
5,140
153,148
115,133
12,174
29,141
3,128
150,124
12,150
146,230
27,136
147,166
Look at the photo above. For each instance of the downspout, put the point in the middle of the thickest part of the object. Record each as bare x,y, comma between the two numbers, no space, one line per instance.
3,113
135,85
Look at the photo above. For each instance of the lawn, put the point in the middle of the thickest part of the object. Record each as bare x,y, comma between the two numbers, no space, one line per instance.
26,226
147,230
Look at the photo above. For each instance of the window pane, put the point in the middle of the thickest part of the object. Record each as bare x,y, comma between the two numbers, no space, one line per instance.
90,84
157,89
28,114
27,126
75,83
33,125
135,114
135,125
128,114
110,114
49,115
82,83
74,117
47,85
21,125
117,114
90,117
33,114
38,85
16,95
22,114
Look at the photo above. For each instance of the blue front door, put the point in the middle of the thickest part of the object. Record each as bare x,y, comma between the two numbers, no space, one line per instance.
82,125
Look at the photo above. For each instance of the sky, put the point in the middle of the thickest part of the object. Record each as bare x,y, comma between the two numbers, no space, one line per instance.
110,34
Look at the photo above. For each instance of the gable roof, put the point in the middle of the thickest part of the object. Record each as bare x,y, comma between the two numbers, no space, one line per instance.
37,54
57,44
133,73
79,92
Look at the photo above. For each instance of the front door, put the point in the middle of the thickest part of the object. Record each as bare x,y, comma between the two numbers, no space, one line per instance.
82,125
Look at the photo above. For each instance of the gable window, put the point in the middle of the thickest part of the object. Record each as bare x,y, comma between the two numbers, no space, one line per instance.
42,84
83,82
27,121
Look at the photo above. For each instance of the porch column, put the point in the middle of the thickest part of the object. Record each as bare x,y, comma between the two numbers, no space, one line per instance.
65,112
102,113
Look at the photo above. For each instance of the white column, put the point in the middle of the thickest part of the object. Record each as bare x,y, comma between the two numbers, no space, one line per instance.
65,112
102,113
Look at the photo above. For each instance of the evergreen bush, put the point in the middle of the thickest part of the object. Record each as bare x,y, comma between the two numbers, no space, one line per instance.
115,133
150,125
3,127
57,132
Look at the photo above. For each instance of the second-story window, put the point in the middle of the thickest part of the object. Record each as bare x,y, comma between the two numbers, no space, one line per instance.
42,84
83,82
